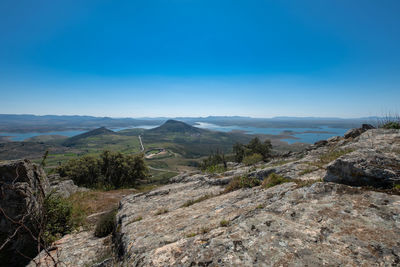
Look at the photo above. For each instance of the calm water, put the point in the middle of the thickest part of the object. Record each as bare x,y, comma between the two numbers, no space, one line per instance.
300,134
23,136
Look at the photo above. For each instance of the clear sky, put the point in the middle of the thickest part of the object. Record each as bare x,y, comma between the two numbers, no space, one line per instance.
200,57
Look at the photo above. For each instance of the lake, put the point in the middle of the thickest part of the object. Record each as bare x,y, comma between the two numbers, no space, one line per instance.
24,136
303,135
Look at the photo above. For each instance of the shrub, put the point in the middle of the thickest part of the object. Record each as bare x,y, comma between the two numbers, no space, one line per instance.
109,170
390,121
57,218
224,223
391,125
215,162
274,179
106,224
161,211
215,169
204,230
252,159
255,146
189,235
241,182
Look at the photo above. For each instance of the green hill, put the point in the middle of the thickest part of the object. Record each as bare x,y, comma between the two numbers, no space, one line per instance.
173,126
78,139
189,141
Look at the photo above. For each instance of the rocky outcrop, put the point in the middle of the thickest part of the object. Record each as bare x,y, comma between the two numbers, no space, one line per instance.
75,250
375,161
193,222
353,133
64,187
320,224
324,223
365,168
22,186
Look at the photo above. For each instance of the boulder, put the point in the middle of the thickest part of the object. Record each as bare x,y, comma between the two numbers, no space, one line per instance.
64,187
365,167
353,133
75,250
320,143
23,186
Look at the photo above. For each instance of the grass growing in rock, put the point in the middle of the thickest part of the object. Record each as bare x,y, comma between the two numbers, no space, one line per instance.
91,202
331,156
274,179
306,171
224,223
106,224
162,211
252,159
189,235
390,122
241,182
136,219
215,169
194,201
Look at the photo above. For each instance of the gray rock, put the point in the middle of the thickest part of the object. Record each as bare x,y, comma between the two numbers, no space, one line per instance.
365,168
322,224
65,188
23,186
75,250
353,133
320,143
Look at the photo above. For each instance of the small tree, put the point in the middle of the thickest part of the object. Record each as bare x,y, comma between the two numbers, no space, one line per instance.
255,146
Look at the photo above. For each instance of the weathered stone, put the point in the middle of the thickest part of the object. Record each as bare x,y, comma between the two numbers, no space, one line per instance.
365,167
353,133
320,143
22,186
321,224
77,249
65,188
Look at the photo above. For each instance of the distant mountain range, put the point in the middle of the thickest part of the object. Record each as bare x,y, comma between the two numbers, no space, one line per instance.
33,123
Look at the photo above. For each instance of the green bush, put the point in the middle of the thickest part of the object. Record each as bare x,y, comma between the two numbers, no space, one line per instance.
215,162
57,218
215,169
106,224
255,146
241,182
391,125
224,223
274,179
109,170
252,159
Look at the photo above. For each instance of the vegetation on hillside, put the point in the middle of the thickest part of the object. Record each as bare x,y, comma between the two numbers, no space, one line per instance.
109,170
106,224
215,162
255,146
390,122
58,219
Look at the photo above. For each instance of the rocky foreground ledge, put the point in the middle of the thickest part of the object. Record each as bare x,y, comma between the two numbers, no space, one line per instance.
330,215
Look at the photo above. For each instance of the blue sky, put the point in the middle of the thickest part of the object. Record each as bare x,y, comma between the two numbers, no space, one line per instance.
200,57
